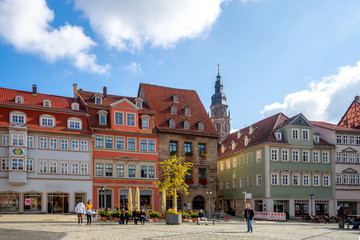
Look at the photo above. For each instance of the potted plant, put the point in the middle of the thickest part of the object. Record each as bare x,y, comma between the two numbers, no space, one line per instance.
104,215
203,155
155,216
194,216
203,181
184,216
173,217
129,213
189,181
116,215
173,153
189,154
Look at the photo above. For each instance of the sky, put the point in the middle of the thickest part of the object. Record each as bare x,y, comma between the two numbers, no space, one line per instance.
275,55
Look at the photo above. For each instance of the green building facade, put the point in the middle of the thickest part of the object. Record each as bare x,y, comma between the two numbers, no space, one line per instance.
282,163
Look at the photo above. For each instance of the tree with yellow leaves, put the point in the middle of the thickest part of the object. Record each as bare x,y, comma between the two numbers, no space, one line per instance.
173,174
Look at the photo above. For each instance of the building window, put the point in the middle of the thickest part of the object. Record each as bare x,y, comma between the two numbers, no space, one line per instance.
274,179
326,181
5,164
357,139
345,139
234,163
258,180
75,168
47,122
99,170
132,171
143,145
102,119
108,170
201,126
171,123
145,122
30,141
305,134
138,104
338,179
227,163
19,99
75,106
151,172
75,145
172,109
120,143
242,182
285,179
345,158
187,111
296,180
258,156
186,124
43,142
202,173
29,165
227,184
53,143
325,157
222,166
119,118
352,140
151,146
274,154
18,139
316,157
17,164
295,134
109,142
187,147
119,170
173,146
84,169
234,183
53,167
46,103
64,144
98,100
84,145
278,136
5,140
338,139
43,167
99,141
346,179
131,144
175,98
202,148
285,155
64,168
130,119
352,179
306,181
316,139
17,118
143,171
305,156
74,124
338,158
316,180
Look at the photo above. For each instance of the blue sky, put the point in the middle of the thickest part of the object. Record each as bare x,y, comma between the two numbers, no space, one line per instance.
275,55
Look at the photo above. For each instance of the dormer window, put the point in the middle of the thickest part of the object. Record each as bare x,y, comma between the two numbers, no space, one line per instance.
222,149
201,126
278,136
102,117
251,130
18,117
98,100
145,121
47,121
138,102
316,139
75,106
238,134
186,124
232,145
46,103
19,99
172,109
246,141
175,98
171,123
74,123
187,111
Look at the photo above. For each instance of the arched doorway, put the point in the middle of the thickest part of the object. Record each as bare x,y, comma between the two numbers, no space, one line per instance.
169,202
198,203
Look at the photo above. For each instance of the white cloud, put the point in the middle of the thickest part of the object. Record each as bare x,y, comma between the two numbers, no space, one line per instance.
234,130
26,25
128,25
134,67
326,100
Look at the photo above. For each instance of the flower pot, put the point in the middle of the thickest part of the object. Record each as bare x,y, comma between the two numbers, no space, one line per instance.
182,219
155,219
193,219
104,219
173,219
116,219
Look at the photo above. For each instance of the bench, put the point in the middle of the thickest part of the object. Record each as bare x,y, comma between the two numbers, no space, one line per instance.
202,220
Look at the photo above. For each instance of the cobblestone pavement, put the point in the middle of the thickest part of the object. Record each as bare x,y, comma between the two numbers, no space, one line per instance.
43,226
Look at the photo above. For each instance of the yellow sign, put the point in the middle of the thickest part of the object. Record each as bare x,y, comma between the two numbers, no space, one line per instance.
18,151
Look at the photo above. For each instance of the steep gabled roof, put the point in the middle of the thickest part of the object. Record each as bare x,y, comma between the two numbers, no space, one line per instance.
159,99
351,118
334,127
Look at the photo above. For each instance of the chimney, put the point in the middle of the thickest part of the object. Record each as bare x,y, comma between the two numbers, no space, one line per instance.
34,89
357,98
105,91
75,90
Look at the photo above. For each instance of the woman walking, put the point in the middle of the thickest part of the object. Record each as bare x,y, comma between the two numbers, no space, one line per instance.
88,212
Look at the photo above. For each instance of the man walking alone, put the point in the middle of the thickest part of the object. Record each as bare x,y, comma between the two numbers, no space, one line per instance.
80,211
249,214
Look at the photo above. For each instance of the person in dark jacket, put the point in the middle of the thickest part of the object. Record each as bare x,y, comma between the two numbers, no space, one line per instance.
136,215
142,216
123,216
248,215
201,216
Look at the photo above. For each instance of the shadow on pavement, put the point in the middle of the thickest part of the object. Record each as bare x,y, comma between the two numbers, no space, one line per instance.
8,234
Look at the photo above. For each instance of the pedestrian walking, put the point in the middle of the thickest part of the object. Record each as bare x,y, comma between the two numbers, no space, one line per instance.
248,215
80,211
88,208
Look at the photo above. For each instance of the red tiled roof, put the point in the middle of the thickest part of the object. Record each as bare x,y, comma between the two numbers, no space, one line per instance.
334,127
7,96
159,99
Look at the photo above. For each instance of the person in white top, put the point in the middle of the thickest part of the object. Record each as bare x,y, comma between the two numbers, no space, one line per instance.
80,211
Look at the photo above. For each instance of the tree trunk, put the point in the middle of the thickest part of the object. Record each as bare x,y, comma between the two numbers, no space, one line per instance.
175,201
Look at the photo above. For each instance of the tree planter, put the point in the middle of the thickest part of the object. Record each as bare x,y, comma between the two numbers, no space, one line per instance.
104,219
173,219
193,219
155,219
183,220
116,219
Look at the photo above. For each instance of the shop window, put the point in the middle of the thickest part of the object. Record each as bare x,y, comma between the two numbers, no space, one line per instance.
105,199
80,197
58,203
145,199
9,202
32,202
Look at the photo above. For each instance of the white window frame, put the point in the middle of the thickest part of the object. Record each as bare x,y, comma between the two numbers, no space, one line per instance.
326,180
53,167
339,157
274,154
75,145
296,177
64,168
43,166
285,179
275,179
295,154
242,182
84,145
325,157
258,179
305,156
339,178
316,180
74,123
285,155
258,156
18,139
127,119
234,183
305,134
5,164
18,117
64,144
53,143
47,121
316,156
234,162
294,133
43,143
308,180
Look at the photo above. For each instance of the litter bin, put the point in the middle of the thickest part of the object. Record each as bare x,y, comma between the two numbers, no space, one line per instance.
341,223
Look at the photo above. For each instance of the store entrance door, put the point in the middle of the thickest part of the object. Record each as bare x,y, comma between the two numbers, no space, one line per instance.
58,203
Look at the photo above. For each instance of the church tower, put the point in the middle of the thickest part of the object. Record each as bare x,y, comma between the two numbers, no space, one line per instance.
219,109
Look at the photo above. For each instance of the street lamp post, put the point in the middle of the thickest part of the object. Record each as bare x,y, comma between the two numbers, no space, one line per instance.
102,189
311,197
209,192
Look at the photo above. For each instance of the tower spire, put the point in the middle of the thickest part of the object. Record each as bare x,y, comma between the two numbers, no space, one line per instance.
218,75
